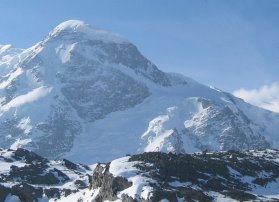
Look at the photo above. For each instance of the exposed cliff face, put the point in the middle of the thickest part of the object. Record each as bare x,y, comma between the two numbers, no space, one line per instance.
107,184
79,88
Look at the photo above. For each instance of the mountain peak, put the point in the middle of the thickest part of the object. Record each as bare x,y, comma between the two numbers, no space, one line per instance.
78,27
71,24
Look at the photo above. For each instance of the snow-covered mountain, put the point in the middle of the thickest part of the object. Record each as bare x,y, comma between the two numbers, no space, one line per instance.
89,95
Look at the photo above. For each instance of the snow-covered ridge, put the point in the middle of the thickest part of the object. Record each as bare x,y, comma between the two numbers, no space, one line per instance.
30,97
77,26
4,48
9,56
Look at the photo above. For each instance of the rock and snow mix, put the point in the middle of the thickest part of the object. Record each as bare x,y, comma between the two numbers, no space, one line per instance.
140,188
218,176
25,176
151,177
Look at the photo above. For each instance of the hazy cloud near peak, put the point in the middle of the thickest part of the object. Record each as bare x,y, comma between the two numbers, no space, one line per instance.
266,96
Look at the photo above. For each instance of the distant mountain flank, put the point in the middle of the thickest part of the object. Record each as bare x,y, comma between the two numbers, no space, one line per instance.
91,96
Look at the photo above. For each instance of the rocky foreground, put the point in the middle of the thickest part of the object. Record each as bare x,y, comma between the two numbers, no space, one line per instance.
220,176
26,176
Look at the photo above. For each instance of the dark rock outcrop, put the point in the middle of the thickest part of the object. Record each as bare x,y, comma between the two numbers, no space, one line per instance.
26,192
109,185
4,191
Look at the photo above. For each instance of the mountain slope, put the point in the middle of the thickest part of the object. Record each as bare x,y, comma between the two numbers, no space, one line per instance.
89,95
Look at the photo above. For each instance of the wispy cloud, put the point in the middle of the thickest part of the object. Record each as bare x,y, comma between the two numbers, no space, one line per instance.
266,96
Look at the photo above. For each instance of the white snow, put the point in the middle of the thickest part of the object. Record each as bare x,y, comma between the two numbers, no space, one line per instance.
121,167
10,77
25,125
64,52
19,143
89,31
71,24
156,135
29,97
140,187
5,166
9,57
3,48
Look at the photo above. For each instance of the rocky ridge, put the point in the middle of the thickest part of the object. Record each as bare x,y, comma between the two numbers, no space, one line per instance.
226,176
149,177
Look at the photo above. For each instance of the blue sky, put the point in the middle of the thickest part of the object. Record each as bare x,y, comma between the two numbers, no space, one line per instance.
231,44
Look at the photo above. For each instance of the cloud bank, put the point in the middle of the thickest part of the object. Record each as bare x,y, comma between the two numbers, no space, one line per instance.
266,96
